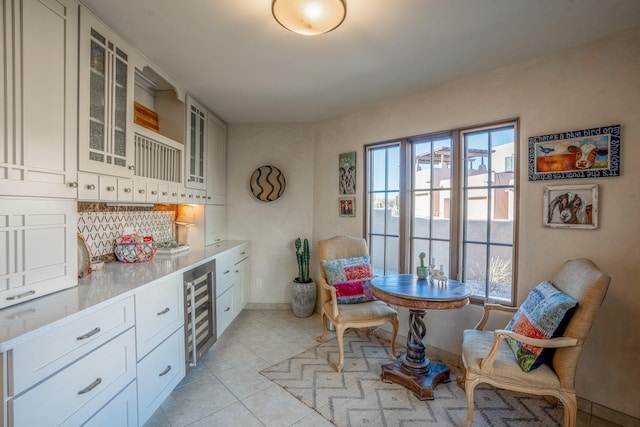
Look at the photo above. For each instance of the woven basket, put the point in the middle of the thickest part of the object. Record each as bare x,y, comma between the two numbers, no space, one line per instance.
134,250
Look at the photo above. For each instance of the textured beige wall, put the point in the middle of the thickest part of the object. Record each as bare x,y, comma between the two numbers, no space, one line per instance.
272,227
585,87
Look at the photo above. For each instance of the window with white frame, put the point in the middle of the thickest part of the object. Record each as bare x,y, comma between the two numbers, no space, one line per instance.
451,195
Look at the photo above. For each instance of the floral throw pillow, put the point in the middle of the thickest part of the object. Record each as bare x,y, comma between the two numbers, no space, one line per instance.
350,277
541,315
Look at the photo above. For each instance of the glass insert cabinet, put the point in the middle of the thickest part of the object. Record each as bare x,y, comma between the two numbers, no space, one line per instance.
196,145
106,100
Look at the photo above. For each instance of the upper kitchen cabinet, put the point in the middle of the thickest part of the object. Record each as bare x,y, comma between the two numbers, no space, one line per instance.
38,88
106,87
159,126
195,172
216,161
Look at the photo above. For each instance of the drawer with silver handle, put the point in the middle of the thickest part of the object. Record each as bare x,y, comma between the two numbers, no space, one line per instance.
159,312
34,360
87,385
159,373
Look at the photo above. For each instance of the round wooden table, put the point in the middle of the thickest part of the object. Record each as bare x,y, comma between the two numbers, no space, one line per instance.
414,370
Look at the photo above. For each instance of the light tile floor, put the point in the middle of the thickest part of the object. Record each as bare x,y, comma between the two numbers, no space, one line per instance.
226,389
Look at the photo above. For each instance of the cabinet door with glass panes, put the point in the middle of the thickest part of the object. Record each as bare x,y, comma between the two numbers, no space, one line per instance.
195,176
105,100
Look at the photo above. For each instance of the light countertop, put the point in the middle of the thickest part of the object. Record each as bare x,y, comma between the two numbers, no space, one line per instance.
117,281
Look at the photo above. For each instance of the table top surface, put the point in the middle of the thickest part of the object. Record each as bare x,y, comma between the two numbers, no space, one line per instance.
408,286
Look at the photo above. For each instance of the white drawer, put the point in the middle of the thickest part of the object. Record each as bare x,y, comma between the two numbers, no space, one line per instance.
87,186
122,411
87,384
108,190
34,360
159,312
159,373
224,310
241,253
224,276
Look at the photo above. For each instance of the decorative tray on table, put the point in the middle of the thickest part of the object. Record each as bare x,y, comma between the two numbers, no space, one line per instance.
171,248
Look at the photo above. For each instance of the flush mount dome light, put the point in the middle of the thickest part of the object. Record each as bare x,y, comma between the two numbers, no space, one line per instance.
309,17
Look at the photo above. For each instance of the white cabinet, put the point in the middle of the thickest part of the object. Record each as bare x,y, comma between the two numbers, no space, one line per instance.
159,312
241,276
160,342
224,310
38,238
85,385
30,364
122,411
159,373
105,100
232,275
38,88
215,224
216,160
195,172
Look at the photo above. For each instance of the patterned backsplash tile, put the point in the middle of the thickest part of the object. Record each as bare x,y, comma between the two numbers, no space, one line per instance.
100,224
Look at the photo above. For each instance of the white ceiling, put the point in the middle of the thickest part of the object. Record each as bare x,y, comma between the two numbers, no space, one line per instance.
244,66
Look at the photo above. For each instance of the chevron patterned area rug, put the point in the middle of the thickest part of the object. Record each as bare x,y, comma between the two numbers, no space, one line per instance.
357,397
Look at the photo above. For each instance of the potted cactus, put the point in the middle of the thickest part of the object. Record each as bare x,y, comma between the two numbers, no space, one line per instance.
422,271
303,291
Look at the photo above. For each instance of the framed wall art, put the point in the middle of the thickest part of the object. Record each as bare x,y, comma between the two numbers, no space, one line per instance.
347,206
347,177
587,153
571,206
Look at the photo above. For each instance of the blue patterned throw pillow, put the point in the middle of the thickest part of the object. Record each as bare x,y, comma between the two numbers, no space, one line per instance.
346,269
539,316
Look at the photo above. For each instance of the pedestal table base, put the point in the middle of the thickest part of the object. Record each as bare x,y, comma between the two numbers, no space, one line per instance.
421,385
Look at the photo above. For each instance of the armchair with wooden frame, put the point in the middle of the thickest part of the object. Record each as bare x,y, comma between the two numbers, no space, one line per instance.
488,358
345,316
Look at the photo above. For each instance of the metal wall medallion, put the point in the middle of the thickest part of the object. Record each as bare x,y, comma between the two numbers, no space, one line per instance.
267,183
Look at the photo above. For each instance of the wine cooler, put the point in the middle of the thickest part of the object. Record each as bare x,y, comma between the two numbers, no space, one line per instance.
199,312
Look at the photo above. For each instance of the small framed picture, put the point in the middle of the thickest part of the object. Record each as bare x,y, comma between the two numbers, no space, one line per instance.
571,206
347,206
347,176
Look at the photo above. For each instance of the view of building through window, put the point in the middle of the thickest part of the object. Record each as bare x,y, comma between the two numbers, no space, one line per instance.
459,206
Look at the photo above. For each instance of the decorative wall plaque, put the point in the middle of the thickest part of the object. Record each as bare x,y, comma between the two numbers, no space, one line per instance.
267,183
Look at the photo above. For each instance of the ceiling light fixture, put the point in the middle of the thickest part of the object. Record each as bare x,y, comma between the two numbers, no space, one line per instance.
309,17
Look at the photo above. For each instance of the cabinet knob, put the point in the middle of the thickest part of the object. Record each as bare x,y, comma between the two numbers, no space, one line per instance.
132,168
174,194
141,191
91,187
164,193
153,193
127,190
110,188
73,184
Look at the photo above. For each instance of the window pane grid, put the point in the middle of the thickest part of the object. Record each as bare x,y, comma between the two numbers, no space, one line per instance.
383,208
431,201
458,186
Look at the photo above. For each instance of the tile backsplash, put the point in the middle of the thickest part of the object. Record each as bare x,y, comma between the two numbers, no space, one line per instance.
100,224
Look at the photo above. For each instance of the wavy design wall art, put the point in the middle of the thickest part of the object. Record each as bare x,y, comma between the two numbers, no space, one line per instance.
267,183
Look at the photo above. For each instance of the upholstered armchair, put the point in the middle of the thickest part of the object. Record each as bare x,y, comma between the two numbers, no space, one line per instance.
356,315
488,356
